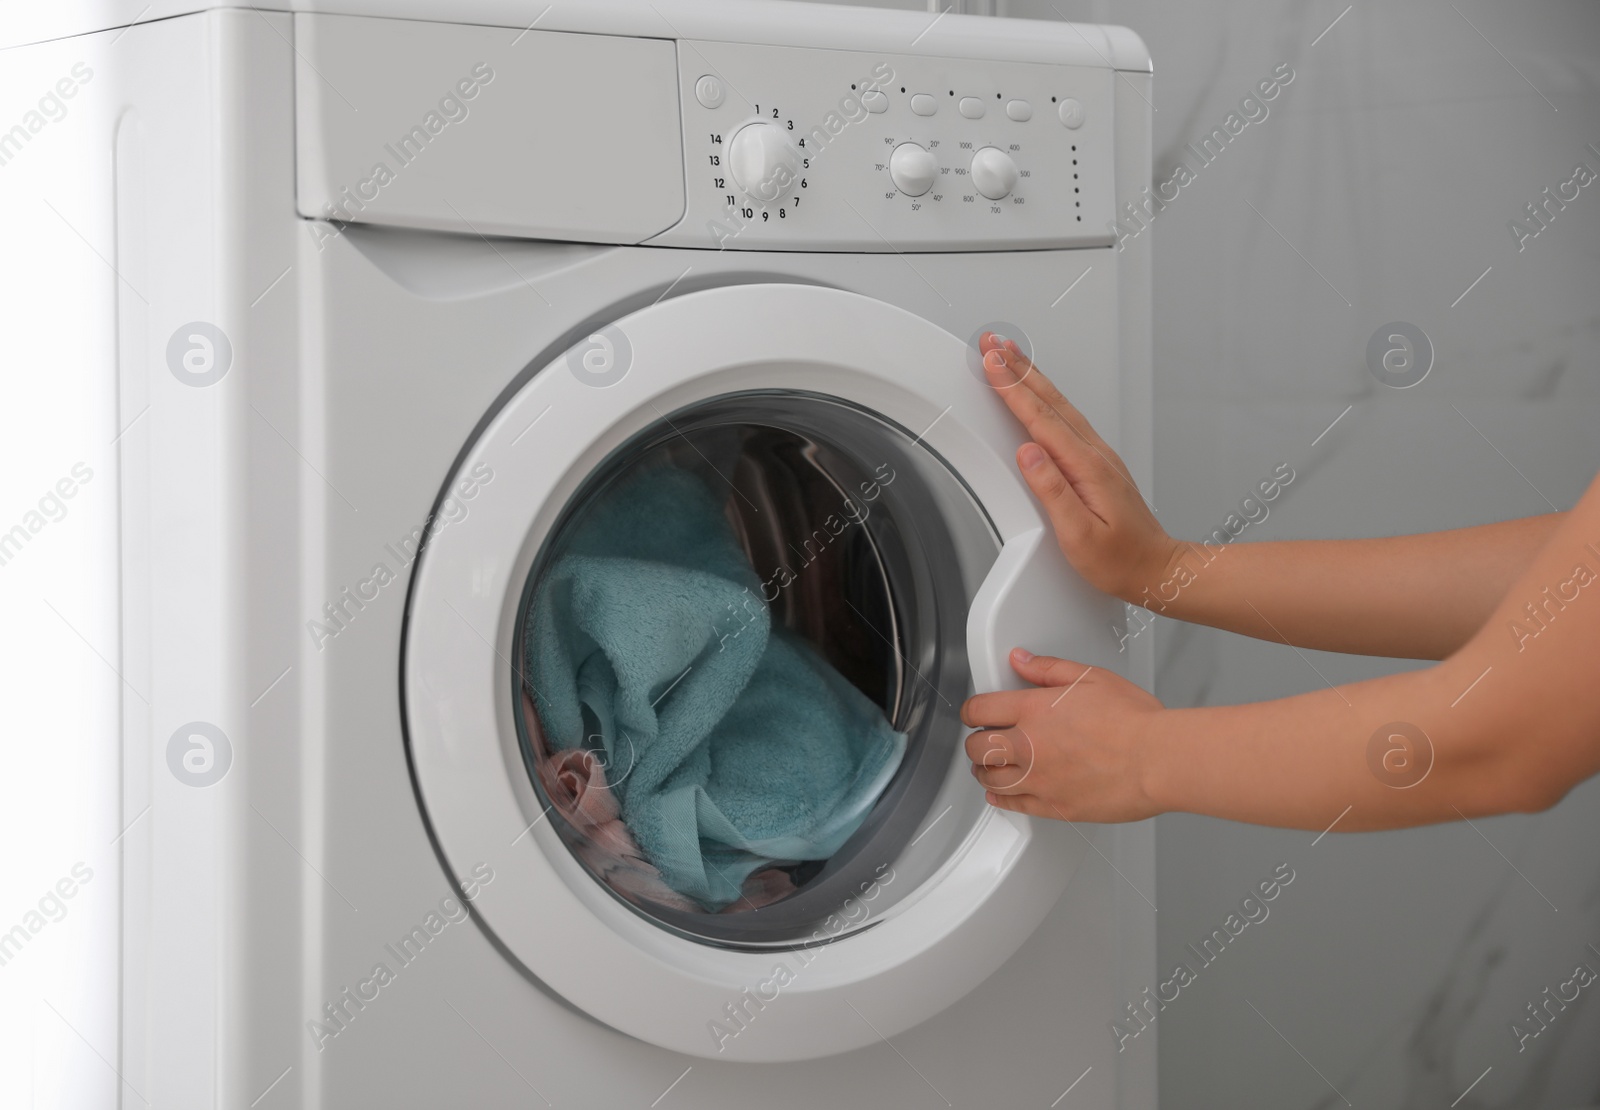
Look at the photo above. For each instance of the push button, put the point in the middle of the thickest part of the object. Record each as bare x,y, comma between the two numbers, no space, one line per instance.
708,91
971,107
874,101
924,105
1019,110
1071,113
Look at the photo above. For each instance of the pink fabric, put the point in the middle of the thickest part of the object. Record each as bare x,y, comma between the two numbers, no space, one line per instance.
575,781
763,888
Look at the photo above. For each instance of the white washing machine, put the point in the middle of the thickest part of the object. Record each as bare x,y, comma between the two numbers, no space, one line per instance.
389,308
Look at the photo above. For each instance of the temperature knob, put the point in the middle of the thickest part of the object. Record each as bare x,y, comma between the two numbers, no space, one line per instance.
993,172
912,169
763,162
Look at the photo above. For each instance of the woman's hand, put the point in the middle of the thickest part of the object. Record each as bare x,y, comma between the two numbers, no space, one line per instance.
1104,527
1071,750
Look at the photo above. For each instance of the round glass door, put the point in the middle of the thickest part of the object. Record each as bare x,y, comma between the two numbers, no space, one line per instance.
689,677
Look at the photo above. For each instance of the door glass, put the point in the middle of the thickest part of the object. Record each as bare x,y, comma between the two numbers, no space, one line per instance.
742,656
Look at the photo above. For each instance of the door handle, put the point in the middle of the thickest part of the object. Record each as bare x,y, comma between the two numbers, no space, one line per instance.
1032,598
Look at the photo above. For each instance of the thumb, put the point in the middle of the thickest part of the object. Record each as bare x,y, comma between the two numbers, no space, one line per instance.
1047,670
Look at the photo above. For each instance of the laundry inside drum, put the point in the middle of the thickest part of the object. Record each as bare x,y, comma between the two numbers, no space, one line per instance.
733,645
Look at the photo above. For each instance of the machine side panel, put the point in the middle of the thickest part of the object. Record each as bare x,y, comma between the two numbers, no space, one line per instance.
1133,848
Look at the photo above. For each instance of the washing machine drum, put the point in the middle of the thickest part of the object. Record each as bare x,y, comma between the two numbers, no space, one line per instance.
687,679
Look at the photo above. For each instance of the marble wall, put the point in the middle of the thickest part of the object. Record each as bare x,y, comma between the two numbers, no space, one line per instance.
1380,188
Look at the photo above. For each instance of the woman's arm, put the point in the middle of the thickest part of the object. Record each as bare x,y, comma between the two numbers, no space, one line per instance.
1409,596
1509,722
1412,597
1513,720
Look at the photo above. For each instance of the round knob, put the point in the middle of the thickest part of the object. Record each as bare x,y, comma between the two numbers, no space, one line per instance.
764,165
912,169
993,172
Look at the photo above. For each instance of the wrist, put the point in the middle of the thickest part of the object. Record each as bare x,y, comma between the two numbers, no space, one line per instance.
1153,756
1160,581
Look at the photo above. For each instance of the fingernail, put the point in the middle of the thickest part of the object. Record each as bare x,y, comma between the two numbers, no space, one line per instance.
995,362
1022,655
1031,456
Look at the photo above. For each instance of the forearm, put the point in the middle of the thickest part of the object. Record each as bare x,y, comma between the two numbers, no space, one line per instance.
1418,597
1511,721
1301,762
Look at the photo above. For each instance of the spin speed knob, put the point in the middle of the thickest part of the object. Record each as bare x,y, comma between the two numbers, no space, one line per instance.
763,162
994,174
912,169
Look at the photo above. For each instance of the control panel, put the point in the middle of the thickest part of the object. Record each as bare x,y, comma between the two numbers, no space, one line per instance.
796,149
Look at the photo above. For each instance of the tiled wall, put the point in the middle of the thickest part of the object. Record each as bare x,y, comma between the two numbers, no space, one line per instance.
1380,188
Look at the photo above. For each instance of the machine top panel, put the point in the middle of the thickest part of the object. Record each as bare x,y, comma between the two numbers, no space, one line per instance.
777,22
696,144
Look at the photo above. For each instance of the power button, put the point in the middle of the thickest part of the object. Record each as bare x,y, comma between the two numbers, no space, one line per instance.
708,91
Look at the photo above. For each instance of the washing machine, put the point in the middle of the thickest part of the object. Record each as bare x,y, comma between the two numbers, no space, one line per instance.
383,311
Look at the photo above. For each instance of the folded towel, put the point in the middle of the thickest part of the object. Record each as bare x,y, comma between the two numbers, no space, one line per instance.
730,745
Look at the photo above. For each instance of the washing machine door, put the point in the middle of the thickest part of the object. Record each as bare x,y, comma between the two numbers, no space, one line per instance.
853,459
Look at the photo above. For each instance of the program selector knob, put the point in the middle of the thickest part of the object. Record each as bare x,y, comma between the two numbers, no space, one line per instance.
763,162
912,169
994,174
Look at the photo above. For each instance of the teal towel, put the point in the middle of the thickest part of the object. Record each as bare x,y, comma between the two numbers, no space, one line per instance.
731,745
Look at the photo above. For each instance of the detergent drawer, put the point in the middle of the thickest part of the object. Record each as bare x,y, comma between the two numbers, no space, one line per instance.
493,130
